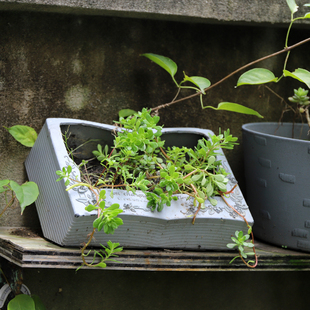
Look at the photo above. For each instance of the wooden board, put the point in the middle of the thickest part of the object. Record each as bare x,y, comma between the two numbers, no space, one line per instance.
28,250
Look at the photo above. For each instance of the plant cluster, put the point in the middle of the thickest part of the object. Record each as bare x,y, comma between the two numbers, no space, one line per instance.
139,160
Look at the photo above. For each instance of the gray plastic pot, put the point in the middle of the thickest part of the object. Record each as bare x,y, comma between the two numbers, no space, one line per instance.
277,172
63,217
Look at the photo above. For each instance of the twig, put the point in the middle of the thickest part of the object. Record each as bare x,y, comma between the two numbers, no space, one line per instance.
286,49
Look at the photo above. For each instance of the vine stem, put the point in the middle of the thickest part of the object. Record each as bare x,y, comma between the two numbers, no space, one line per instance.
196,213
252,236
286,49
9,204
85,246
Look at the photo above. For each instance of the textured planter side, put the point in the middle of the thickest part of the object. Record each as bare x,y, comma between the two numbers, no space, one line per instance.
277,171
64,219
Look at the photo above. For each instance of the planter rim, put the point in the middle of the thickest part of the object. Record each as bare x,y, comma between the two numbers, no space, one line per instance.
72,121
262,128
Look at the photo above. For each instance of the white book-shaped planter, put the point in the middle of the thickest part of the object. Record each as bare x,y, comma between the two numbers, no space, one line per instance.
62,213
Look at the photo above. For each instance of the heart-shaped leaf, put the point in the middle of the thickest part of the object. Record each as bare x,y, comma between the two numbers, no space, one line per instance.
199,81
292,5
23,134
235,107
299,74
256,76
26,193
21,302
166,63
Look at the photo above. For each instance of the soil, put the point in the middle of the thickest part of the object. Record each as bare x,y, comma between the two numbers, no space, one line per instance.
27,232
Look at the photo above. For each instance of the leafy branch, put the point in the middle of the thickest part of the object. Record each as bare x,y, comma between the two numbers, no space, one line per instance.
252,77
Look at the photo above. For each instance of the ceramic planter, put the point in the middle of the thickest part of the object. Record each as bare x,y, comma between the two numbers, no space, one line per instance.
64,219
277,170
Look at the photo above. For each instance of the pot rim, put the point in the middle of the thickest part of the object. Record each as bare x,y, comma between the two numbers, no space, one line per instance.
265,129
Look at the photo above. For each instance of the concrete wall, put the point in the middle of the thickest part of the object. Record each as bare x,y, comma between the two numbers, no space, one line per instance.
202,11
88,67
85,64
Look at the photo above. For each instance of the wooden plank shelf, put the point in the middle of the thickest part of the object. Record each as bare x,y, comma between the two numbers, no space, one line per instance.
29,250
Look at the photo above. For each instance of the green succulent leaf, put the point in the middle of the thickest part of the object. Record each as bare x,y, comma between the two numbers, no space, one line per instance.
256,76
90,208
23,134
126,112
166,63
213,201
299,74
231,245
248,244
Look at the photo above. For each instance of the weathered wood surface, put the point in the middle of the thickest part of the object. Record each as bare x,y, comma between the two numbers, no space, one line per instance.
36,252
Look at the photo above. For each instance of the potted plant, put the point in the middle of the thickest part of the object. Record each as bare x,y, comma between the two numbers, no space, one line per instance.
108,215
141,183
277,164
206,185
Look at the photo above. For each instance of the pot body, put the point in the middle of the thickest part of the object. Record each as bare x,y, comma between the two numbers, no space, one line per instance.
277,172
62,213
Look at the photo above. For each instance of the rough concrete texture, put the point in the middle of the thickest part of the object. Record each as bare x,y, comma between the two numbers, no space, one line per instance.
88,67
229,11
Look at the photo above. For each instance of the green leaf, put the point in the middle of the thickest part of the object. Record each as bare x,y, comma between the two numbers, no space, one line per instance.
248,244
211,160
102,265
26,193
256,76
31,193
231,245
23,134
3,183
213,201
197,177
221,186
299,74
235,107
126,112
38,302
200,200
97,222
102,194
292,5
21,302
219,177
199,81
90,208
166,63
